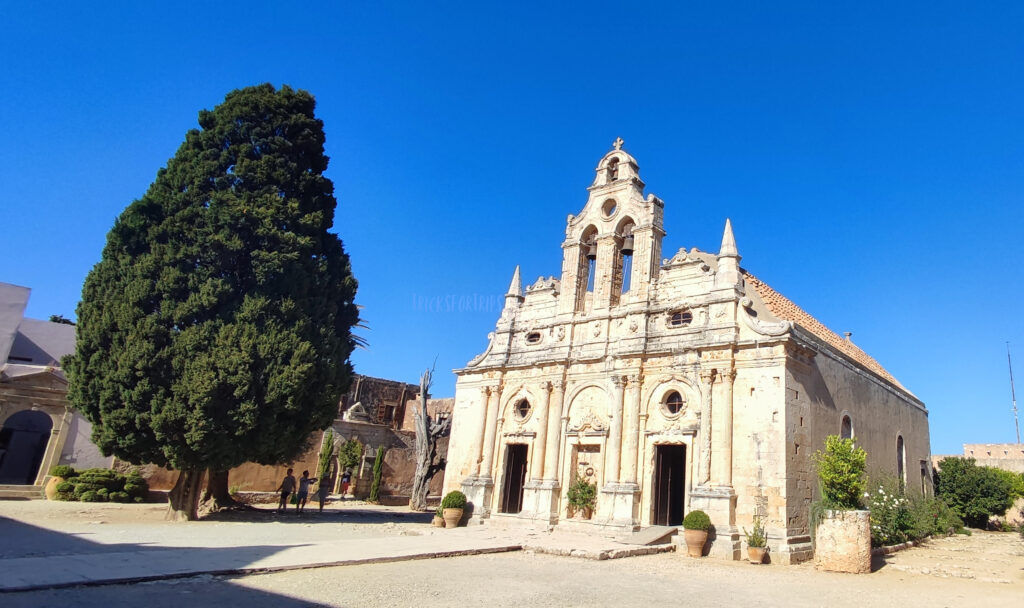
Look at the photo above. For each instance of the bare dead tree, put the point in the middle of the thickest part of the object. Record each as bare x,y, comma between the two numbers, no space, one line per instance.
428,431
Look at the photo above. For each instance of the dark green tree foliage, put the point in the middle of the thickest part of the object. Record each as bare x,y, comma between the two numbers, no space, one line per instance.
215,330
975,493
378,475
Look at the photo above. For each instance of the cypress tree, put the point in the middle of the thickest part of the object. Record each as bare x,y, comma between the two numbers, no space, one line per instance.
216,328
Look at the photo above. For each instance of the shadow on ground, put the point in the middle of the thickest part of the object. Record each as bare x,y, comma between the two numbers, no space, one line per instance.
313,516
34,544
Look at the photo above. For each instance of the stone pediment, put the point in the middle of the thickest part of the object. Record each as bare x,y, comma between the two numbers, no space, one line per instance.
33,375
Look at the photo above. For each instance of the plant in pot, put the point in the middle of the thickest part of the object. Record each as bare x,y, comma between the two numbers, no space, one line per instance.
438,521
757,542
841,527
695,530
60,474
582,497
452,506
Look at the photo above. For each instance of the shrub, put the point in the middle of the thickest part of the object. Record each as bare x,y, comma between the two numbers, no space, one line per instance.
83,487
756,537
975,493
697,520
378,473
326,454
841,473
66,487
104,494
90,496
891,520
66,496
932,516
582,494
439,512
119,497
350,454
63,471
453,500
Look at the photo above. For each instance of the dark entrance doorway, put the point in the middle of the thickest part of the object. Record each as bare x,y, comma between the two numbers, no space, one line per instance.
515,478
669,484
23,440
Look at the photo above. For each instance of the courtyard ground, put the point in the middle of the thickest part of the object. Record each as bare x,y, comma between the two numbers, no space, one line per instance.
984,569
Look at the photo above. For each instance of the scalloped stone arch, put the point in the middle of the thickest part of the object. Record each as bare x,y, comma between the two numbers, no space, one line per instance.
575,392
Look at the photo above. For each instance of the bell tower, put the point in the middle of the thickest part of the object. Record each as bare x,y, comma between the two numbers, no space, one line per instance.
611,250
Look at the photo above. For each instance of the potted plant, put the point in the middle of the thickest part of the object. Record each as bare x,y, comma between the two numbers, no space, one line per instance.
842,527
757,542
60,473
582,497
695,530
452,506
438,521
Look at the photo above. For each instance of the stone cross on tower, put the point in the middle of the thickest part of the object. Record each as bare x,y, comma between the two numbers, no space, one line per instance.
618,143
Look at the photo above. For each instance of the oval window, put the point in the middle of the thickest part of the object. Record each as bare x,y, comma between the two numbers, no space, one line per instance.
674,402
523,409
533,337
609,207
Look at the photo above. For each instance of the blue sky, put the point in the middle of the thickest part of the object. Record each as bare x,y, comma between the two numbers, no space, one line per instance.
870,156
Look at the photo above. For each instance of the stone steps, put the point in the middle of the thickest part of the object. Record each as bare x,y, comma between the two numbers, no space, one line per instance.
20,492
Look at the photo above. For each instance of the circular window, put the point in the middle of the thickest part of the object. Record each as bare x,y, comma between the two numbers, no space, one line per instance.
680,318
522,409
674,402
609,207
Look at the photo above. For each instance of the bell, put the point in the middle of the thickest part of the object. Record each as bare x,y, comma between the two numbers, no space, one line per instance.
627,245
592,251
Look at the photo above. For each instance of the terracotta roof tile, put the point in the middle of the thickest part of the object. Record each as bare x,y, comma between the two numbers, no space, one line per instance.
784,308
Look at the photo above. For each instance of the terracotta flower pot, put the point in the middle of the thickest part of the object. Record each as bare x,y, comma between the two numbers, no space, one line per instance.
756,554
452,518
51,488
695,540
438,521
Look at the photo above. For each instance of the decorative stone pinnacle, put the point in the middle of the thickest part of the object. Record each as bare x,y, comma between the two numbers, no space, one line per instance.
618,143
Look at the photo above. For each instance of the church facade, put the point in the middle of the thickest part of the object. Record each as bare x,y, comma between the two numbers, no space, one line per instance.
672,384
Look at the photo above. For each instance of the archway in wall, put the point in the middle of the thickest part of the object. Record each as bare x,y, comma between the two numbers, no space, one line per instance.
23,441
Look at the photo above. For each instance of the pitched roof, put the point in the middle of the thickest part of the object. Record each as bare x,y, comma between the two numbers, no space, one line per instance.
784,308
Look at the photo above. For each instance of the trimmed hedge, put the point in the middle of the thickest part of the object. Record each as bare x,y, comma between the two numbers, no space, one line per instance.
697,520
100,485
454,500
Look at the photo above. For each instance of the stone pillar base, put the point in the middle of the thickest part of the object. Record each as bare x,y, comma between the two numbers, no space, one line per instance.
620,506
842,542
540,501
478,491
720,505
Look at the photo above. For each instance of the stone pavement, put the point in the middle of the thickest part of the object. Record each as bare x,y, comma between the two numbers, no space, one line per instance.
95,563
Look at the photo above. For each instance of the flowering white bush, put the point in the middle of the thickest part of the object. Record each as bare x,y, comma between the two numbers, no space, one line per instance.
891,520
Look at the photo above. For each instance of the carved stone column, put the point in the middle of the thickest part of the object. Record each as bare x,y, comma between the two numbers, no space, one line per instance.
707,378
485,395
479,488
540,441
632,431
554,437
723,451
490,430
613,459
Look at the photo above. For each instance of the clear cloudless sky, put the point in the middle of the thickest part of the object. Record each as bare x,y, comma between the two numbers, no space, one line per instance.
869,154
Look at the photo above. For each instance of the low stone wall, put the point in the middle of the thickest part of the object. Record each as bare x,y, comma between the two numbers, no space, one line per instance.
842,542
890,549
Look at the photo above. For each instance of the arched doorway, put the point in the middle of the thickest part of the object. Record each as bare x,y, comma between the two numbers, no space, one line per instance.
23,441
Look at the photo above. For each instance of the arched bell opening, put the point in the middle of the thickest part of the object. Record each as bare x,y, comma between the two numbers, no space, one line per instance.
23,441
623,269
587,265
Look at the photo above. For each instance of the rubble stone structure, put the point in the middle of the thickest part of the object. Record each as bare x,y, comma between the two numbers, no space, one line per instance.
672,384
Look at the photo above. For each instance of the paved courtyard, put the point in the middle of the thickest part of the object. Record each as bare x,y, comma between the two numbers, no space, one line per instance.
985,569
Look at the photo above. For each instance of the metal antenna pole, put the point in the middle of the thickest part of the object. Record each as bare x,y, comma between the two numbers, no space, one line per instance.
1013,395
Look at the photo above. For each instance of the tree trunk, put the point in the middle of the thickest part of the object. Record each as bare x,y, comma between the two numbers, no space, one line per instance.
427,434
217,497
183,499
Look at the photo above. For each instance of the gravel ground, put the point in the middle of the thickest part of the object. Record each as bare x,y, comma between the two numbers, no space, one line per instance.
985,570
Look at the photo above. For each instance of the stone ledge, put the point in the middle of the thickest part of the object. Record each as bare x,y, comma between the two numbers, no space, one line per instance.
599,554
890,549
